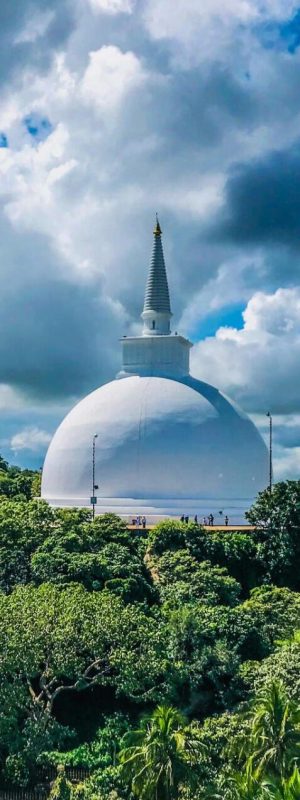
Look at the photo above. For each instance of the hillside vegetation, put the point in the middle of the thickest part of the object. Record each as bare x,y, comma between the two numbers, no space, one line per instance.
167,665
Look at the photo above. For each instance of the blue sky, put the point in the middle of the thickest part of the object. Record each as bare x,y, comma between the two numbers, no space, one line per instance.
109,111
208,325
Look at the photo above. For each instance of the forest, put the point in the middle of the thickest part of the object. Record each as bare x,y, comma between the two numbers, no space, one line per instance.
164,664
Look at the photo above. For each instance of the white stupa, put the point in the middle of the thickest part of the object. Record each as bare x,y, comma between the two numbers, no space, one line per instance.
167,444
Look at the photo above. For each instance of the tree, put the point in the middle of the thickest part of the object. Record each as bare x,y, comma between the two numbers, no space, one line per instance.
100,756
237,551
241,786
167,535
273,746
269,614
204,655
36,485
182,579
3,464
160,754
23,527
275,731
62,788
82,555
289,788
61,640
16,482
28,741
276,516
101,752
56,641
268,754
282,665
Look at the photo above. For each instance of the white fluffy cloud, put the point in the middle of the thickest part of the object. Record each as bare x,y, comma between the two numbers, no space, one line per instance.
258,365
31,438
10,399
35,177
286,462
109,77
112,6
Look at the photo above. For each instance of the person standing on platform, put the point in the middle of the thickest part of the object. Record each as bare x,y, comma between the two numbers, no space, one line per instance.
144,522
226,520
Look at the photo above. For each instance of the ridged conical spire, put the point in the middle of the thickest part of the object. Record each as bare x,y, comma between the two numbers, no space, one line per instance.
157,291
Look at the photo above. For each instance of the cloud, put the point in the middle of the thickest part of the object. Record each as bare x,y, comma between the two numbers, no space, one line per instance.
286,463
109,77
36,25
112,6
151,109
262,200
203,30
61,342
30,34
10,399
257,365
31,438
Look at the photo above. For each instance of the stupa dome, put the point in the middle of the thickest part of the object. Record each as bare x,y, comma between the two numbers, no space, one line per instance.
167,444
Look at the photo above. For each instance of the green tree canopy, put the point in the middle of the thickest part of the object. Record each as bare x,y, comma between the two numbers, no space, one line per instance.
182,578
276,516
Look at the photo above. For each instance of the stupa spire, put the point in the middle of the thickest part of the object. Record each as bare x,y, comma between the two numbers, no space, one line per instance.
157,230
157,311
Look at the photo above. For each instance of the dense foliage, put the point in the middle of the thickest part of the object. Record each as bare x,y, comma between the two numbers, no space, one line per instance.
166,664
18,483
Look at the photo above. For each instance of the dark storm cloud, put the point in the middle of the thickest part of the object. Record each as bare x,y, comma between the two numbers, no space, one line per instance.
56,338
262,201
15,15
192,112
288,435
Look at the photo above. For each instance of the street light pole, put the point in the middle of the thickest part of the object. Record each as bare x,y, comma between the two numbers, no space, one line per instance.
93,470
270,450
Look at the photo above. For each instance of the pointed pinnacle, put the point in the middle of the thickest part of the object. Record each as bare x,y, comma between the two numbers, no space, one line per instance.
157,230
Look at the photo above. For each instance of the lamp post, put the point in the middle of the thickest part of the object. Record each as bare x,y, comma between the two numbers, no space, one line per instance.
269,415
93,498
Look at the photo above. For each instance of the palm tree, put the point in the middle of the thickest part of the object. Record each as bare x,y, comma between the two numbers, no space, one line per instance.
239,786
274,742
159,757
287,788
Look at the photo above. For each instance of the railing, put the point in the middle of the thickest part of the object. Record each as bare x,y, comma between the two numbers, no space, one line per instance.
24,794
73,774
44,776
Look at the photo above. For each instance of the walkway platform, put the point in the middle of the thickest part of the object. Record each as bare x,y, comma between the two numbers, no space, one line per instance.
208,528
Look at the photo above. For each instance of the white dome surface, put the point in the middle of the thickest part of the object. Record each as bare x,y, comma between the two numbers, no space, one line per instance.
165,446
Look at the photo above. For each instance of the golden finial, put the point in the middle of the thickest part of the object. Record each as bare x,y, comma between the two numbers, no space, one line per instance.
157,230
